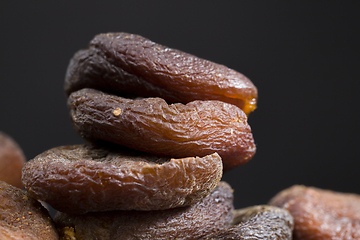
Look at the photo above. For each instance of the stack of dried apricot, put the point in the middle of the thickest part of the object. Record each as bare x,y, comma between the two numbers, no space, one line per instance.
161,127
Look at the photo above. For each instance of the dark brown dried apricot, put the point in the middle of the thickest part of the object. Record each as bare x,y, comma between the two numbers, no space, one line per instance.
124,63
321,214
257,222
151,125
22,217
12,160
209,215
83,178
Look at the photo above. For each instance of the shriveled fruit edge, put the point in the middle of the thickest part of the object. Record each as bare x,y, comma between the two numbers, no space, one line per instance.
57,184
219,82
257,222
212,213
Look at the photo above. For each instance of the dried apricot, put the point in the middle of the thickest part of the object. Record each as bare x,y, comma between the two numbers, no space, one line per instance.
83,178
257,222
12,160
209,215
151,125
321,214
125,63
22,217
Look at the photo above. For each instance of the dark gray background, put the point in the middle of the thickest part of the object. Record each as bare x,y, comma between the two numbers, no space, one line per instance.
302,55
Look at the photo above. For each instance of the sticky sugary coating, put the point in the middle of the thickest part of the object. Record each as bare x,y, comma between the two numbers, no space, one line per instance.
321,214
83,178
22,217
151,125
257,222
12,160
129,64
214,212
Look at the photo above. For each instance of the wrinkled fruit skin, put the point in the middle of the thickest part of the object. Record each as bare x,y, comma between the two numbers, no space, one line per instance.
209,215
209,114
128,64
83,178
22,217
321,214
151,125
12,160
257,222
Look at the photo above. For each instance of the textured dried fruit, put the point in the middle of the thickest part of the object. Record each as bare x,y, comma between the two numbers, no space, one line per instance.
211,214
321,214
151,125
82,178
125,63
22,217
257,222
12,160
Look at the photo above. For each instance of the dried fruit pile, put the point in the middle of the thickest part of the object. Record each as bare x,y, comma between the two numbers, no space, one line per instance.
161,127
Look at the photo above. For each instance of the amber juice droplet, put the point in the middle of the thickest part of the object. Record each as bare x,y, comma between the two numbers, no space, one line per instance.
117,112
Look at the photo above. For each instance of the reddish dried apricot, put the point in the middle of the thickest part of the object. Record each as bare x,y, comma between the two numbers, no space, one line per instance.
321,214
125,63
82,178
209,215
12,160
257,222
151,125
22,217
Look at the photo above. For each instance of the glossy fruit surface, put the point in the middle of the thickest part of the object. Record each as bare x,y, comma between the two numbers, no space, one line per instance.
129,64
83,178
151,125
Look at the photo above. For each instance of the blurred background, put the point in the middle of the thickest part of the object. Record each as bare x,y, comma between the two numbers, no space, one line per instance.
303,56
